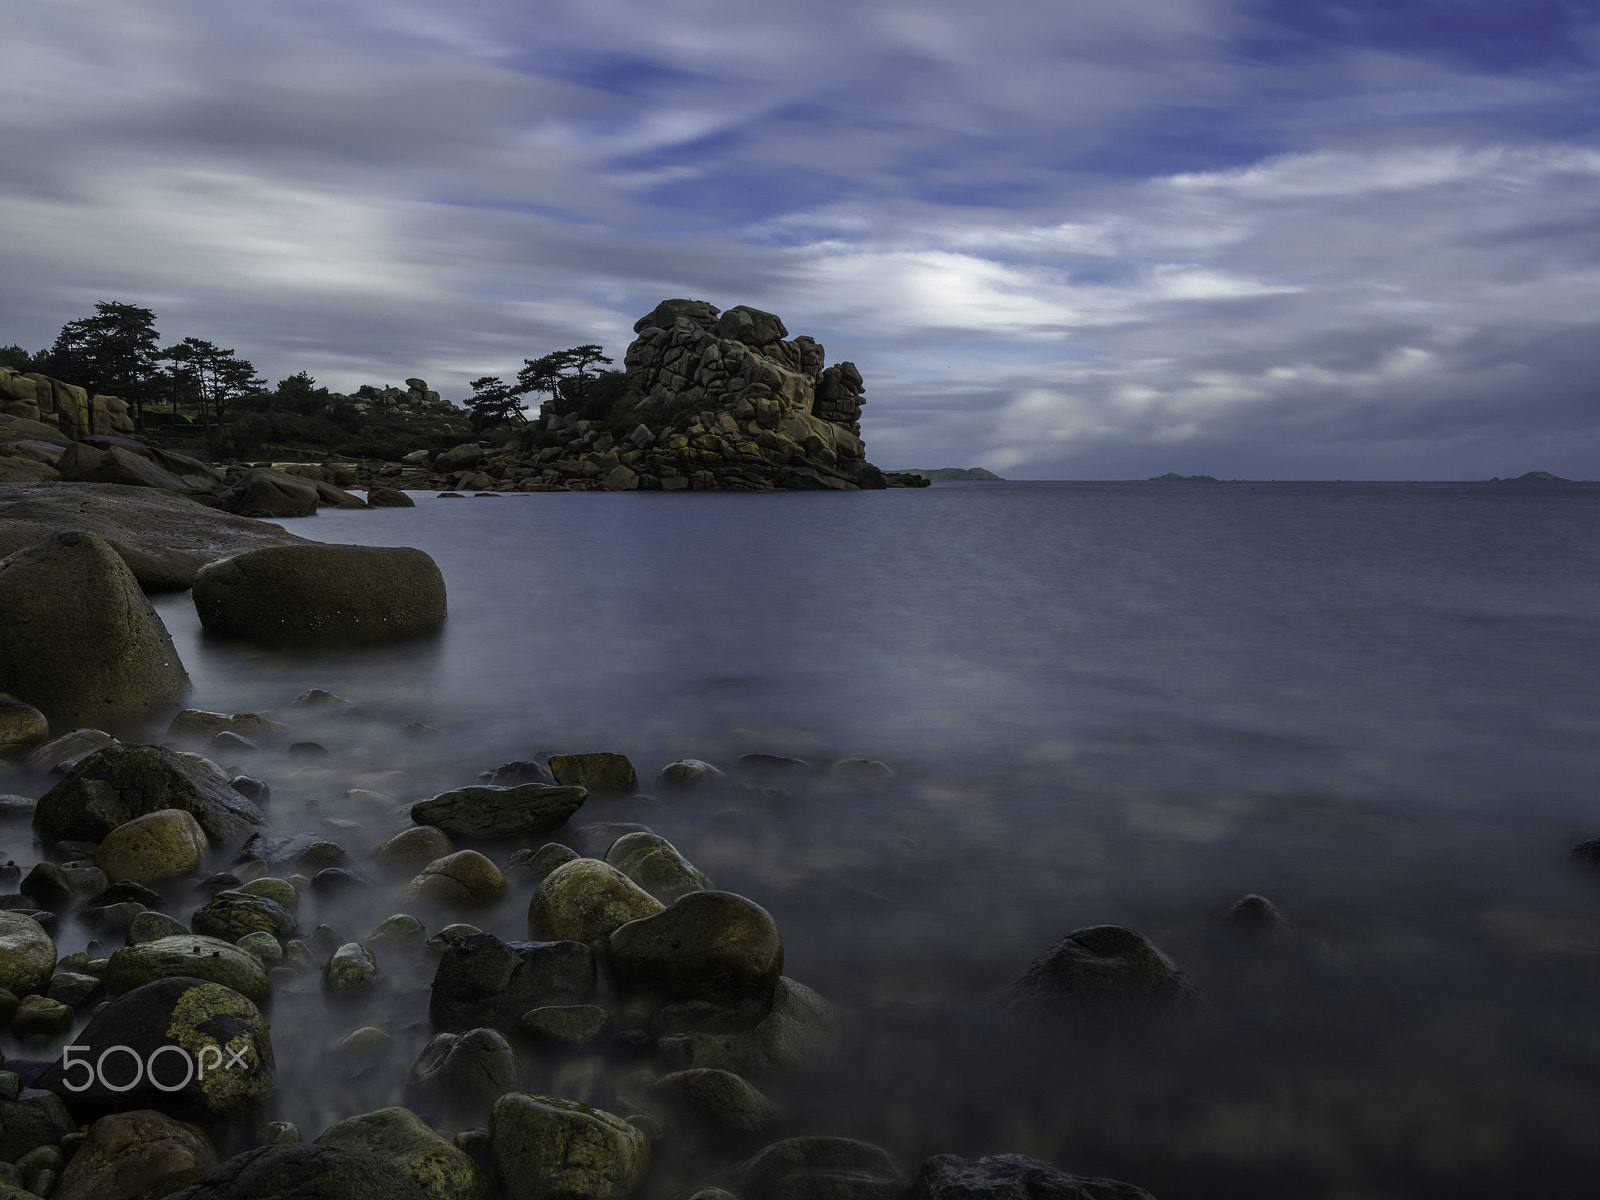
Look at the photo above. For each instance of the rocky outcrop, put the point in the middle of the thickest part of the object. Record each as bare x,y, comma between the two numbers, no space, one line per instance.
163,536
65,406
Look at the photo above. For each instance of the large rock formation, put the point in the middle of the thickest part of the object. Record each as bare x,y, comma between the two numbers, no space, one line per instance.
710,401
64,406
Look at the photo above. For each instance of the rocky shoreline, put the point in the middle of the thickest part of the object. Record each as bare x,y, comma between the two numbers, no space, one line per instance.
613,999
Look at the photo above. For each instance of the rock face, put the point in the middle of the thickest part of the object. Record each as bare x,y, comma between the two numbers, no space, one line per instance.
163,537
63,406
1012,1177
316,592
80,642
117,783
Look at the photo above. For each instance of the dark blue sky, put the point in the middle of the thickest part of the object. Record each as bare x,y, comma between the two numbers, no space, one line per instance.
1265,239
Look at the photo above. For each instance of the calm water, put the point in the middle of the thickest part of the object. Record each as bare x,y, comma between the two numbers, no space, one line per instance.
1104,703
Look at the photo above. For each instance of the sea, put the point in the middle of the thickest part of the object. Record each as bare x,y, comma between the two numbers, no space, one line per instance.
1375,704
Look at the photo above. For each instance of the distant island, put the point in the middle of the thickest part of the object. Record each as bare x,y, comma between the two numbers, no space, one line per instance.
944,473
1174,477
1533,477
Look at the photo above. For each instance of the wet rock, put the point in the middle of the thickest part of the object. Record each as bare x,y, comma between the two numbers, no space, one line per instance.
716,947
80,641
514,774
22,726
686,771
547,1148
165,844
27,954
388,497
1587,852
194,1018
541,861
655,865
262,947
330,881
464,1072
47,885
198,723
718,1101
1012,1177
465,877
270,887
399,1135
151,926
41,1017
490,812
115,784
65,752
603,774
420,843
1103,969
278,1133
352,968
251,788
266,493
584,900
134,1156
231,915
29,1117
483,981
797,1033
860,768
302,1172
398,929
189,955
72,988
565,1025
1257,915
315,592
818,1168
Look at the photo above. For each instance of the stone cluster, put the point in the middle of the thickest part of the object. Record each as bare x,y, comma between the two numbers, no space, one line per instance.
29,396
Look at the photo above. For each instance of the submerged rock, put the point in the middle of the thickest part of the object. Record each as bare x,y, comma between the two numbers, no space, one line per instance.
716,947
1103,969
467,1071
818,1168
1012,1177
297,1171
484,981
490,812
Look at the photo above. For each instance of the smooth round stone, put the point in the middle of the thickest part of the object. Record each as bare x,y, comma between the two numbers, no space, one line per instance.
716,947
27,954
231,915
134,1154
720,1100
469,1069
150,926
399,1135
351,969
451,932
192,956
165,844
602,773
333,880
566,1024
584,900
363,1040
21,726
281,891
656,865
1106,969
465,877
420,843
39,1016
398,929
548,1148
684,772
263,947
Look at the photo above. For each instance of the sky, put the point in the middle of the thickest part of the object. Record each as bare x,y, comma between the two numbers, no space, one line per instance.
1061,239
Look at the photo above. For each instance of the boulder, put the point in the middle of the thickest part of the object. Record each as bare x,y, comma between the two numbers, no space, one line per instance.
165,844
22,726
30,1117
465,877
686,771
1102,970
61,754
117,783
565,1024
27,954
135,1156
420,843
164,537
296,1171
655,865
602,773
481,980
818,1168
719,1101
1012,1177
490,812
584,900
397,1134
458,457
80,641
266,493
198,723
388,497
231,915
547,1148
317,593
797,1033
714,947
207,1032
350,969
464,1073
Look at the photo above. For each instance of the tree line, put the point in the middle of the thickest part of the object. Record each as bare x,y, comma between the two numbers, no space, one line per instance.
118,352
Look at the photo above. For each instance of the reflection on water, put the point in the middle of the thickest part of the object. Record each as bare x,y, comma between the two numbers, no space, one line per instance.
1104,704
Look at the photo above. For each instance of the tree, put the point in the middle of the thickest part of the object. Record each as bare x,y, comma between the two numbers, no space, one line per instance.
494,402
18,359
115,351
565,375
217,376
